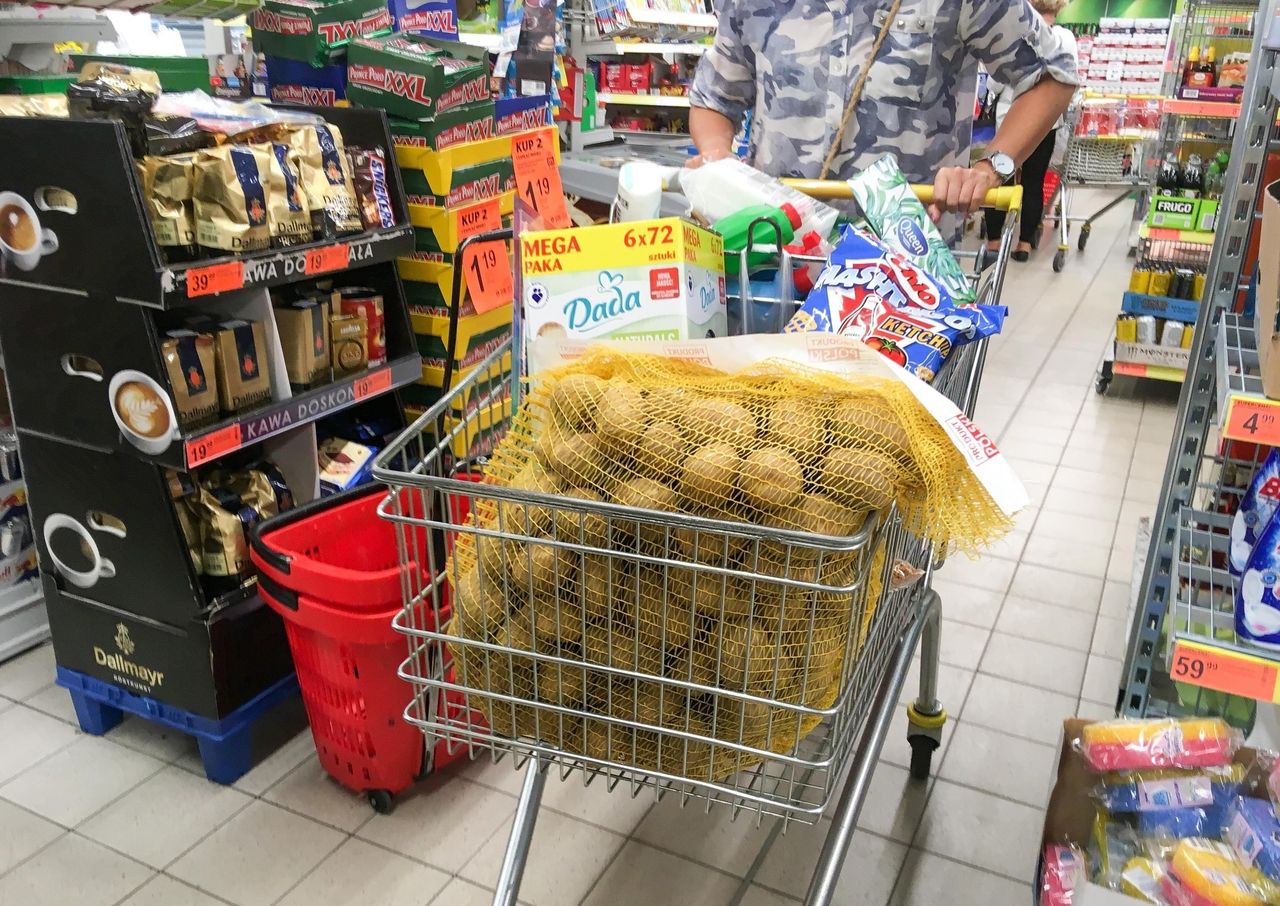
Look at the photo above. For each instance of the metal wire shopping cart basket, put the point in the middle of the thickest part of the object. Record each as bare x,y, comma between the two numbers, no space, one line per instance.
767,752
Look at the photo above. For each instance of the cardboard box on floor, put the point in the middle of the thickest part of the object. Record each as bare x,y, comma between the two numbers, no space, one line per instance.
1267,314
1069,818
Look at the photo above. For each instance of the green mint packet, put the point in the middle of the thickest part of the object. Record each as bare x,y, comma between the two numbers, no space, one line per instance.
900,221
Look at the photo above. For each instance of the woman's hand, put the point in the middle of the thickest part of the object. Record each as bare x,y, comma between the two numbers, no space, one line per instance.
962,189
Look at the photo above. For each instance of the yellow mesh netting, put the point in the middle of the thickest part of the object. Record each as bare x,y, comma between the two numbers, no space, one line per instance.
775,446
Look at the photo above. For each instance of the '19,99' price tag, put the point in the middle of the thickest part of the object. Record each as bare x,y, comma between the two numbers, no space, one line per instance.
488,273
328,258
212,445
538,178
214,278
1235,674
372,383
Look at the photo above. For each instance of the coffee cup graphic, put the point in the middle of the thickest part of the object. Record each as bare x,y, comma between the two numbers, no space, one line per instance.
23,240
100,567
141,408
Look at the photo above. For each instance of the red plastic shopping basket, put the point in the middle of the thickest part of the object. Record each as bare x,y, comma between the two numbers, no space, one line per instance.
331,570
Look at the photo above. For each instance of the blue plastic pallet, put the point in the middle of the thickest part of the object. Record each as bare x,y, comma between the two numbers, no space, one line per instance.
224,743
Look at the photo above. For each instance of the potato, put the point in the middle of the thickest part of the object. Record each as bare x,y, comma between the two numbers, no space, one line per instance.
662,619
577,459
480,605
710,475
871,424
560,685
666,402
589,529
574,400
661,449
620,417
692,664
556,620
607,587
747,657
706,592
771,479
540,570
859,478
519,519
800,433
708,421
644,493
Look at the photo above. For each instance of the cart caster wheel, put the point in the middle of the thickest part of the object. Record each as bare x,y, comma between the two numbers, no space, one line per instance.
1083,239
380,800
922,749
1059,261
1102,385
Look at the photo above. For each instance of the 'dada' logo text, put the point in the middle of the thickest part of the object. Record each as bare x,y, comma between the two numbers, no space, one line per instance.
912,237
584,314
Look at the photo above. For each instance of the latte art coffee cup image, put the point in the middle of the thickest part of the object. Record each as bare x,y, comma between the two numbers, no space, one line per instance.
22,240
143,411
16,228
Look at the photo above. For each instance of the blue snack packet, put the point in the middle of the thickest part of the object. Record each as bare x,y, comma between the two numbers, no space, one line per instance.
1256,509
876,295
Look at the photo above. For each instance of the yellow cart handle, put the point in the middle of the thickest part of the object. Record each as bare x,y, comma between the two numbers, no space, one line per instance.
1005,198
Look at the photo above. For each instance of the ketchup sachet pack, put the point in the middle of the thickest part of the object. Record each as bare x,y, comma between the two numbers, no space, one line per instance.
878,296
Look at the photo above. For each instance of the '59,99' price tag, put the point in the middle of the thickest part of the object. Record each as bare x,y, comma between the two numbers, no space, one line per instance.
488,273
538,177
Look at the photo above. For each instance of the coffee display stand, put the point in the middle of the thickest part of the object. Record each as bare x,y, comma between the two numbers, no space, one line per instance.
88,310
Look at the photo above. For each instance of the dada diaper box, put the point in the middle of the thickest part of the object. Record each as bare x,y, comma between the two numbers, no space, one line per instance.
651,280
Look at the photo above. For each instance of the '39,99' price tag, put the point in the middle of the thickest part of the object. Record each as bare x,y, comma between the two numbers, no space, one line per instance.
538,178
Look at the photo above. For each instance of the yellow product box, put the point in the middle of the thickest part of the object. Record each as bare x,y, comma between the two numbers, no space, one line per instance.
451,225
438,167
652,280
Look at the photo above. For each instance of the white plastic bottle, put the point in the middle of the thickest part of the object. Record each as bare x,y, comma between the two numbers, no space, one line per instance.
726,186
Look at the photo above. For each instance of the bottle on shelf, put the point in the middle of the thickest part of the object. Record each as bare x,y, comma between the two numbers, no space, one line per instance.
1191,184
1169,180
1204,73
1192,64
1213,176
1210,66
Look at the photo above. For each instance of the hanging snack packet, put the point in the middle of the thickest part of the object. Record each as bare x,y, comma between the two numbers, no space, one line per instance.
288,215
902,223
326,180
231,198
871,293
1259,505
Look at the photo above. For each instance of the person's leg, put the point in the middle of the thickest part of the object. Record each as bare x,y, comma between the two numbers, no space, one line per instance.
1034,169
995,224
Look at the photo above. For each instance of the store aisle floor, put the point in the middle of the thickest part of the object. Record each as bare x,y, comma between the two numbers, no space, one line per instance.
1033,634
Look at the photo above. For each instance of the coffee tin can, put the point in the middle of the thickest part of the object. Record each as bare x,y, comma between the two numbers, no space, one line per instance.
360,300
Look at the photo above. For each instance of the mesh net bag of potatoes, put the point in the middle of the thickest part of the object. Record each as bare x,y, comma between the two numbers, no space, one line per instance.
796,459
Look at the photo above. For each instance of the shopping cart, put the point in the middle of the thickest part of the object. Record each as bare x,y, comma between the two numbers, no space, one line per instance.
629,744
1107,142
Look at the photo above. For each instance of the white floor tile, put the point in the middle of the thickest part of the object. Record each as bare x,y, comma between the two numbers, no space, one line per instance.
1073,527
1080,503
1046,623
1116,600
953,685
471,812
359,872
156,740
999,763
463,893
867,878
257,856
162,817
54,701
616,810
1102,680
642,875
27,673
1016,708
990,573
1089,481
1110,637
1079,557
262,776
21,834
72,870
706,837
1036,663
1053,586
309,790
894,803
72,784
962,644
981,830
565,859
163,890
760,896
967,604
29,737
928,880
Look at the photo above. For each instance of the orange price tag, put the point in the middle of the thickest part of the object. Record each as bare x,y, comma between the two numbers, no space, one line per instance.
212,445
538,178
214,278
479,218
488,273
1235,674
328,258
1253,420
374,382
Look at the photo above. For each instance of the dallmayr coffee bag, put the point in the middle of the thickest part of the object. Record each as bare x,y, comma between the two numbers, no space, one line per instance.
313,32
326,180
415,77
288,216
230,198
167,184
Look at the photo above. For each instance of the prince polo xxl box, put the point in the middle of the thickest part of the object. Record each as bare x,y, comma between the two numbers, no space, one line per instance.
511,115
470,184
313,32
291,82
652,280
414,77
468,123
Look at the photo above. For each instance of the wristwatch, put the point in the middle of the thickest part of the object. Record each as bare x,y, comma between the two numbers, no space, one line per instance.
1003,165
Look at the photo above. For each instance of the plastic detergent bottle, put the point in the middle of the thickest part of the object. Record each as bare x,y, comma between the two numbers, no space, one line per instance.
735,227
724,187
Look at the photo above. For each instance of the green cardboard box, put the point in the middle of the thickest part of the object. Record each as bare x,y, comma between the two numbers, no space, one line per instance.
315,32
415,77
470,184
1173,212
468,123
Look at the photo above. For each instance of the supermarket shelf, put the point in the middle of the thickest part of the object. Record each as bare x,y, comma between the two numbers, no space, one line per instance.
644,100
1204,649
1244,412
1199,237
52,29
489,42
619,46
601,135
1206,109
1150,372
649,133
1184,310
667,17
187,9
280,416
